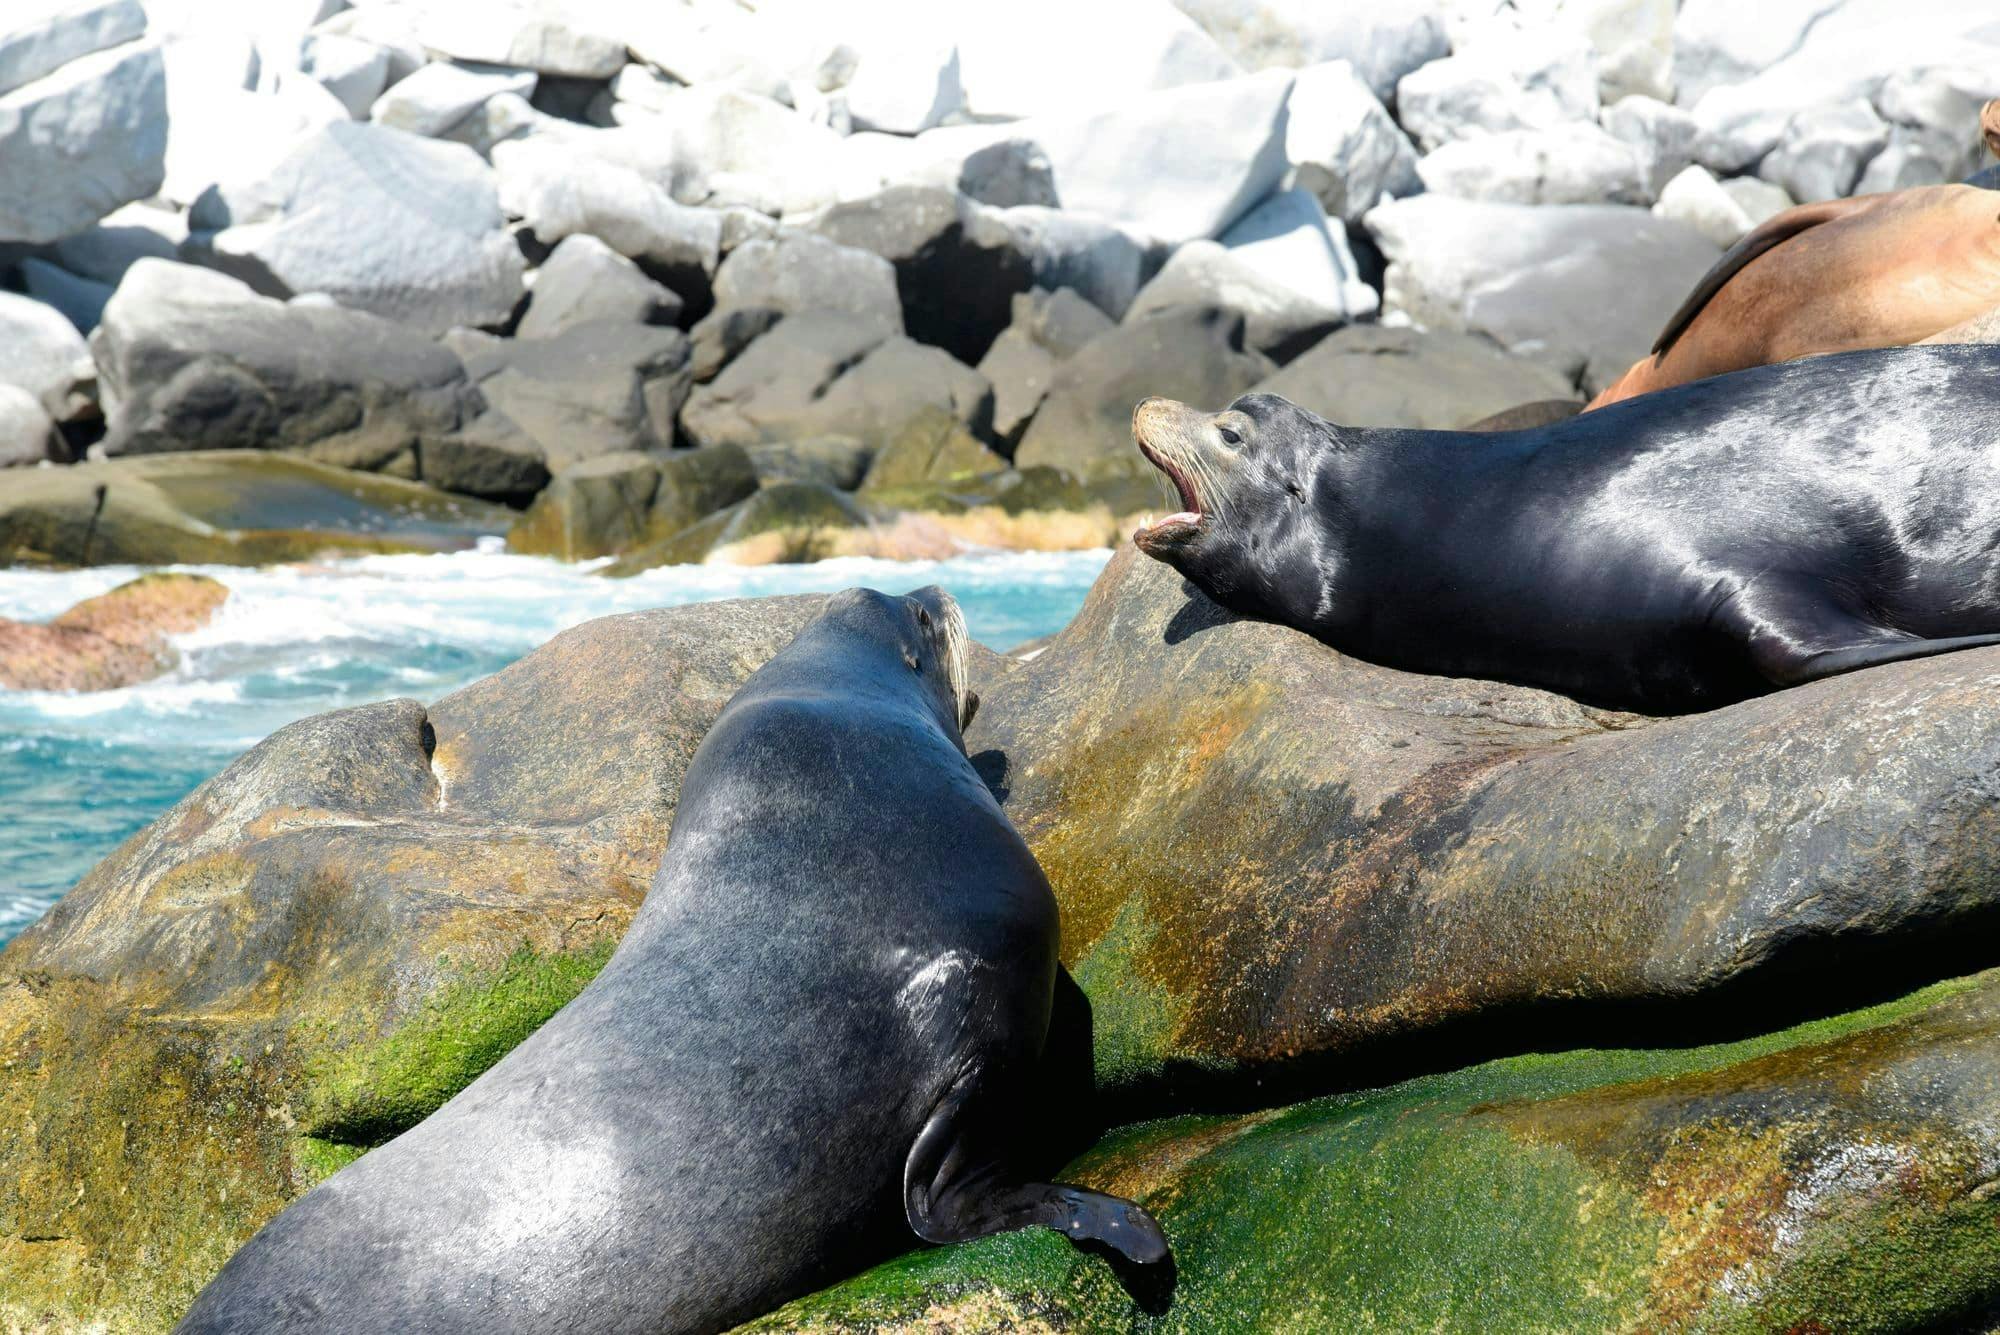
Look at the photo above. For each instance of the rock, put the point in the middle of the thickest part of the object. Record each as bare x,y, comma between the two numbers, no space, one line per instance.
1047,328
27,435
932,446
50,35
336,217
1696,199
82,139
137,231
1759,199
585,280
772,389
785,523
1100,262
115,639
476,885
1717,44
353,70
1008,173
839,462
1342,144
896,380
1381,42
615,502
1584,287
1506,80
718,336
489,457
42,353
558,193
1194,354
1661,134
226,507
1175,165
80,301
227,125
958,265
1287,240
1633,40
442,94
1824,1175
730,147
800,271
1367,375
1060,320
601,387
903,72
1822,153
531,36
1574,163
1113,52
1912,158
194,360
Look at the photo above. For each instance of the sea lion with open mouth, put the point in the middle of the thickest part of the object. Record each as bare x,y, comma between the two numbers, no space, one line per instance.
1694,547
821,1035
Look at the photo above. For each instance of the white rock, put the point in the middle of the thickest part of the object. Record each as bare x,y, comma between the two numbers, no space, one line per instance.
497,33
38,37
1695,199
353,70
1577,163
1343,144
1633,39
442,94
1759,199
1057,57
502,118
106,251
639,92
81,141
1824,150
1504,79
716,44
1176,165
27,436
42,353
1287,239
337,216
1383,42
1100,261
1582,287
1916,157
1661,133
894,66
558,192
219,128
732,147
393,27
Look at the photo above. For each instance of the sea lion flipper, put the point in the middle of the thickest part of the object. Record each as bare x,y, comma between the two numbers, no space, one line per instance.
955,1188
1796,633
1774,231
1833,662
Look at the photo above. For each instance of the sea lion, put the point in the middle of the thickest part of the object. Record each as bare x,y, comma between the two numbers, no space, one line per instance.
1875,271
817,1037
1697,546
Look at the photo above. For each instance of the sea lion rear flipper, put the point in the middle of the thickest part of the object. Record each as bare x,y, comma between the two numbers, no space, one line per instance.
1833,662
955,1187
1796,633
1772,232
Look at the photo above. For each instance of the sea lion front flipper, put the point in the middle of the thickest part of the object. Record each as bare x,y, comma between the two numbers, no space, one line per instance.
955,1187
1774,231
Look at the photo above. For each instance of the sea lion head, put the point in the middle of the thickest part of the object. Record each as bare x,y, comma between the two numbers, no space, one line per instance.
926,628
1251,530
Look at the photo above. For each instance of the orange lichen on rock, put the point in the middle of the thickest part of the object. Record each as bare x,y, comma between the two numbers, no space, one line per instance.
115,639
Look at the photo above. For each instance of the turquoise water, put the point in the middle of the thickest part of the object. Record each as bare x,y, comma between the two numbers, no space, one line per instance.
78,773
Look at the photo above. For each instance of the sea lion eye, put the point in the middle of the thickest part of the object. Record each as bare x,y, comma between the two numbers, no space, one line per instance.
923,616
1229,437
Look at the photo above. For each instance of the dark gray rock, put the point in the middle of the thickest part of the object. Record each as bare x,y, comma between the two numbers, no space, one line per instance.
80,300
933,446
1098,260
583,280
596,388
839,462
773,386
615,502
1021,371
490,457
718,336
1007,173
1366,375
897,380
1061,321
802,271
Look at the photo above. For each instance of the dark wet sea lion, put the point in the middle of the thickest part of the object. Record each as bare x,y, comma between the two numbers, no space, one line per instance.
819,1036
1680,551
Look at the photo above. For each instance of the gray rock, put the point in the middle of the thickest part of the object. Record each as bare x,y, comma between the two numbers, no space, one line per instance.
42,352
489,457
1382,42
718,336
1367,375
932,446
49,36
194,360
1048,327
1663,135
1573,163
353,70
79,300
1823,151
897,380
27,435
1194,354
337,216
1506,80
595,388
81,140
1343,145
585,280
958,265
776,382
137,231
616,502
1759,199
1288,242
839,462
442,94
1697,200
1104,264
1913,157
801,271
1007,173
1061,321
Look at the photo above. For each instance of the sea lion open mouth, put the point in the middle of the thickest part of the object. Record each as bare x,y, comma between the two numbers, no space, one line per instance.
1160,428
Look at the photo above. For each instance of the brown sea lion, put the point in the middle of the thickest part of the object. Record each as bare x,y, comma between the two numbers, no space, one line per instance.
1876,271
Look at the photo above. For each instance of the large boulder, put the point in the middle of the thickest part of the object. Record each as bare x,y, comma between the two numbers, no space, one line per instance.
772,389
46,36
585,280
1367,375
801,271
1100,261
599,387
897,380
1830,1176
933,446
489,456
42,353
441,94
615,502
1585,287
112,640
337,216
353,70
958,265
1196,354
783,523
1048,328
82,137
194,360
1109,52
227,122
27,433
1507,79
226,507
534,36
1381,42
1574,163
1343,144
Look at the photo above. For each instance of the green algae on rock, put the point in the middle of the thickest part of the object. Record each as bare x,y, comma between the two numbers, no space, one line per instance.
1833,1176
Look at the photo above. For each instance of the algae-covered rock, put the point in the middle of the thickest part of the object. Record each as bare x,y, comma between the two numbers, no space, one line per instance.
231,507
1273,860
115,639
616,502
932,446
782,523
1835,1176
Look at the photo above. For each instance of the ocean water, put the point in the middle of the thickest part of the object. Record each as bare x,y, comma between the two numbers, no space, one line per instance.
79,773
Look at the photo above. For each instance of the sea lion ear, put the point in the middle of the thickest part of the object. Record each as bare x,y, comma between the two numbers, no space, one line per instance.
968,710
